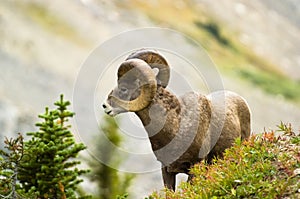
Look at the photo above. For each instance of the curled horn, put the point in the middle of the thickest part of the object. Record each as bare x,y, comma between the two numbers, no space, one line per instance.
155,60
141,70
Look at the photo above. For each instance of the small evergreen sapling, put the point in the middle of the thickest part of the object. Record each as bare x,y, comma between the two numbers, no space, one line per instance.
111,183
9,165
48,168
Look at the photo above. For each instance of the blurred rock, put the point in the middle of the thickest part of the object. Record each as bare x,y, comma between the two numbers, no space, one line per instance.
270,27
8,120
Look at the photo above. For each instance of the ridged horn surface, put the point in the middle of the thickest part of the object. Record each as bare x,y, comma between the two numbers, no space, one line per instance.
138,69
155,60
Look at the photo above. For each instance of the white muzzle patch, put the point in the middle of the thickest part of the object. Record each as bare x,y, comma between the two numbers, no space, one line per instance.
108,109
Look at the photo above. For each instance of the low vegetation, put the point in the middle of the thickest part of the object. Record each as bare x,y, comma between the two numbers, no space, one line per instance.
265,166
110,182
46,164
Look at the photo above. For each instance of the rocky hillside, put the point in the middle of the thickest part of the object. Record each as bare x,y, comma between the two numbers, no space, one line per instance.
43,45
271,28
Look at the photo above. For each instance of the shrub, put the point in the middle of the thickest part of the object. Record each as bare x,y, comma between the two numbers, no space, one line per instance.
9,165
111,183
48,168
265,166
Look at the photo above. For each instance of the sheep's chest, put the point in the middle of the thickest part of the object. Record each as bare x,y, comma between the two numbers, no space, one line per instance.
181,166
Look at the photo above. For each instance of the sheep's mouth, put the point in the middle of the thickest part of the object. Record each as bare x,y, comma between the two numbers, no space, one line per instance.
107,109
108,112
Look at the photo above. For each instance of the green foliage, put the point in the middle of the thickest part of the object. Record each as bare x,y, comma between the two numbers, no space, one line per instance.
111,182
48,168
215,31
45,166
272,83
9,165
262,167
122,196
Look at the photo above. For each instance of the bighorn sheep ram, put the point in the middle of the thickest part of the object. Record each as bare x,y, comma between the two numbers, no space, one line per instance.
184,130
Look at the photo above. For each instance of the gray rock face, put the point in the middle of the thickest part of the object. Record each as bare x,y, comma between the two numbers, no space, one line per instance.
270,27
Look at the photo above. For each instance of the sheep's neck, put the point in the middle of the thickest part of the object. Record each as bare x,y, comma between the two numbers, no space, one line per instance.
161,118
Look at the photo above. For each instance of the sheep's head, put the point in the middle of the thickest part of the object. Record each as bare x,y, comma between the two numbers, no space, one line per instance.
154,60
137,82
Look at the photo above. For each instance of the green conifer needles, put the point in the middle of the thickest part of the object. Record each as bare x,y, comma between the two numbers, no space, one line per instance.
48,169
9,165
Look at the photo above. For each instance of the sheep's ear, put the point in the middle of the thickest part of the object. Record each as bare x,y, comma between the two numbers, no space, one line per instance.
155,71
137,82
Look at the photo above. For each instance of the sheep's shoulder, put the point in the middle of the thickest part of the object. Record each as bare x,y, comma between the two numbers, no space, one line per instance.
195,113
193,103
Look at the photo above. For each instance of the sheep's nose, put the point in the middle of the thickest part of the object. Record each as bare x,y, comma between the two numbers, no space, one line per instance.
104,106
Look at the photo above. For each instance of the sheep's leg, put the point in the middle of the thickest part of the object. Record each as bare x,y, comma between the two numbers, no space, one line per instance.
191,176
169,178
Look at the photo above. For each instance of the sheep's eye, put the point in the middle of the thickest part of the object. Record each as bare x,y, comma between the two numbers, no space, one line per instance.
123,92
